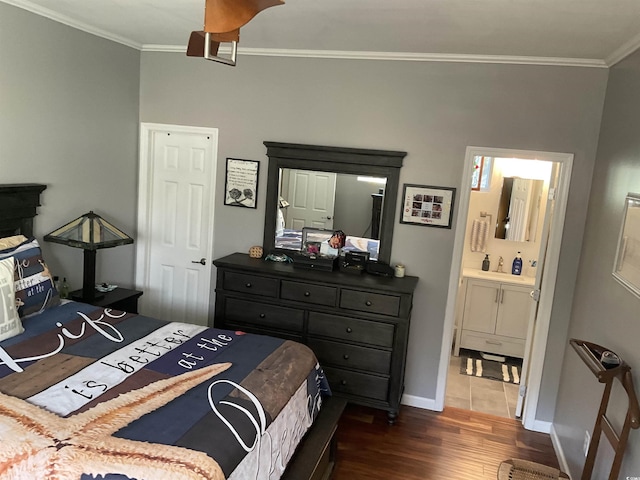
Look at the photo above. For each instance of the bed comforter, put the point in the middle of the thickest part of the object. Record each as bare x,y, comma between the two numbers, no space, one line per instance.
91,393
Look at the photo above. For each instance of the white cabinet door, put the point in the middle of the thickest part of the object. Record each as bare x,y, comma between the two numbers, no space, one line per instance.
481,306
513,311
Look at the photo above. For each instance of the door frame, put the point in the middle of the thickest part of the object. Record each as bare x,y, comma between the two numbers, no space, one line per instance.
541,328
145,174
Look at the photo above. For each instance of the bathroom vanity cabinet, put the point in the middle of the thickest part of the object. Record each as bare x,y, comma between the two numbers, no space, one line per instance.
495,317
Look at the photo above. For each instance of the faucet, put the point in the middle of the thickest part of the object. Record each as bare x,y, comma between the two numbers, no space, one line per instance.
500,264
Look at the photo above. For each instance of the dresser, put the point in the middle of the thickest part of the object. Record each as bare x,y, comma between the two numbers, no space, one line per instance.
357,325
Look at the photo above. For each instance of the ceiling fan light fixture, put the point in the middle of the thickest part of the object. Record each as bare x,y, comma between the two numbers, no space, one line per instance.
222,22
206,45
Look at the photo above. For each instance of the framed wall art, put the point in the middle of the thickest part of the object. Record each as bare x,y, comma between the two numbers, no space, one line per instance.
626,268
241,183
427,206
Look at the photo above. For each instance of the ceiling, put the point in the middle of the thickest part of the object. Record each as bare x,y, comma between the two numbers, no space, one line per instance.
595,33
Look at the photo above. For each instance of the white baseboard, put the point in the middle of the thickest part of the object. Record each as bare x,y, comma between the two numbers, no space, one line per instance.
562,460
419,402
542,427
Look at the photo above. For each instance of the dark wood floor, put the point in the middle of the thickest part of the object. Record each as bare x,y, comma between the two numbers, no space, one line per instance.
423,445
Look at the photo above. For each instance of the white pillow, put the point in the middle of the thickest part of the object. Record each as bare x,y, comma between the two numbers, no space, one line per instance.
10,324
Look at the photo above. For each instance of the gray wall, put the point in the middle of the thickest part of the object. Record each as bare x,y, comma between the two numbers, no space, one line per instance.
433,111
69,119
604,312
354,205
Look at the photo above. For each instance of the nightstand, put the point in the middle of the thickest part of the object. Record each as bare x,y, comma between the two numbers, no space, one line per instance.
118,299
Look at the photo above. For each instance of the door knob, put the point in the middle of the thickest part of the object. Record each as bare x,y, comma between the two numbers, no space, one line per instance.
202,261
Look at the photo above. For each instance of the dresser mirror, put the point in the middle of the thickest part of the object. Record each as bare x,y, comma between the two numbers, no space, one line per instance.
353,190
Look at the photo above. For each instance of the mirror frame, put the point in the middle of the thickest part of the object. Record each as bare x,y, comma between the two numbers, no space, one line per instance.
356,161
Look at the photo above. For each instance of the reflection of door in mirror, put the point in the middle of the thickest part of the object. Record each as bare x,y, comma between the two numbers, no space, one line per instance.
519,209
311,197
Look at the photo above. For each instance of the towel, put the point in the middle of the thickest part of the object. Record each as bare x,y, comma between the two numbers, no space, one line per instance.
479,235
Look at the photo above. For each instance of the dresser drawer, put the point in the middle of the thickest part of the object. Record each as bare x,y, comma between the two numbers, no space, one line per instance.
351,356
309,293
360,384
260,314
370,302
511,347
241,282
351,329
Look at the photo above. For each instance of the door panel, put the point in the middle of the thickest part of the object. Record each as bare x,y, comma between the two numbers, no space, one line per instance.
176,232
513,313
481,306
311,197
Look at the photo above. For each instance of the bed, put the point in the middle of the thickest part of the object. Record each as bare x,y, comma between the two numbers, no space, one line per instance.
94,393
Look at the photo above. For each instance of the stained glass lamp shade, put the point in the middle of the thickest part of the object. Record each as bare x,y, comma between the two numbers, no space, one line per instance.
90,232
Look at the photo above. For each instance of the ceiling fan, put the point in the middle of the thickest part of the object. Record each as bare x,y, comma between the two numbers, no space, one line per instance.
222,22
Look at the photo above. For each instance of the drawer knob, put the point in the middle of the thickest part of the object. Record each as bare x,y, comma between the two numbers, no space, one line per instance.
346,356
248,285
343,382
307,294
368,303
349,330
262,315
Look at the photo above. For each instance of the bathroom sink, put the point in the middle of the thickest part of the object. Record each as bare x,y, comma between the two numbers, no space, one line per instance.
498,276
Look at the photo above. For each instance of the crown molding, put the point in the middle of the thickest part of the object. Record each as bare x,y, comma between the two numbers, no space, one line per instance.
396,56
624,51
621,53
56,17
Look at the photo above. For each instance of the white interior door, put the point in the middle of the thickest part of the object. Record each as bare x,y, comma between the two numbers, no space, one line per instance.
311,196
175,226
535,293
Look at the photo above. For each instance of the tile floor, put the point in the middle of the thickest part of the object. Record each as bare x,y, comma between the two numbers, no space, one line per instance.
479,394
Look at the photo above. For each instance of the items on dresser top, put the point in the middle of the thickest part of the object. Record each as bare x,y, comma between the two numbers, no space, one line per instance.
358,326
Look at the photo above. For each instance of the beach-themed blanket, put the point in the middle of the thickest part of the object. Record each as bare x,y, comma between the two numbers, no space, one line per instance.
91,393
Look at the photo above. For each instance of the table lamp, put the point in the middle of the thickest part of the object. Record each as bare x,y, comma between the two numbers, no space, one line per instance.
90,232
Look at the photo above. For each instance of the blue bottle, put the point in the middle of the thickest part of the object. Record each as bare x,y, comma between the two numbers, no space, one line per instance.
516,268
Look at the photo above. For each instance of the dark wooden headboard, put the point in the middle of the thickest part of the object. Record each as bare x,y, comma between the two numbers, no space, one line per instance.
18,203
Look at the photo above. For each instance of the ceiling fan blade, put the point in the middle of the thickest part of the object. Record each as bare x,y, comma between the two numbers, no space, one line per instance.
222,16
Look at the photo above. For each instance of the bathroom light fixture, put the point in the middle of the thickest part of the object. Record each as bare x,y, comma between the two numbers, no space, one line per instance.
222,22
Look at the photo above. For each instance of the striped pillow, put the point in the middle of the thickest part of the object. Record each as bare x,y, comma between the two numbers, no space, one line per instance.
34,287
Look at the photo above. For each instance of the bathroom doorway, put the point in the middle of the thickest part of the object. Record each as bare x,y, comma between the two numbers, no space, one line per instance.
518,324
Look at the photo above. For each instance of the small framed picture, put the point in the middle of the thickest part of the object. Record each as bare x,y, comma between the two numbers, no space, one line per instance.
241,183
427,206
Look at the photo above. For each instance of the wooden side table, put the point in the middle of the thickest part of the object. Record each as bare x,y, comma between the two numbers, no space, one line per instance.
119,299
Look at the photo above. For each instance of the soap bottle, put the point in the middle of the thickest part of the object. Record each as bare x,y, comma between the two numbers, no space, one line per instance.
516,268
485,263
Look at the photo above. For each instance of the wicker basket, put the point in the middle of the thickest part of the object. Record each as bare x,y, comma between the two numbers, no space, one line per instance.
516,469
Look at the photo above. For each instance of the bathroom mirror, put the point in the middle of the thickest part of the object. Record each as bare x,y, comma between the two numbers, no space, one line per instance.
519,209
356,188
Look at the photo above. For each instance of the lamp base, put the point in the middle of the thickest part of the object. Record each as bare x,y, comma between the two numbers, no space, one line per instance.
77,296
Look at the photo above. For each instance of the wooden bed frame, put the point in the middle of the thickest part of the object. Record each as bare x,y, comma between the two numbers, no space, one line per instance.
315,456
